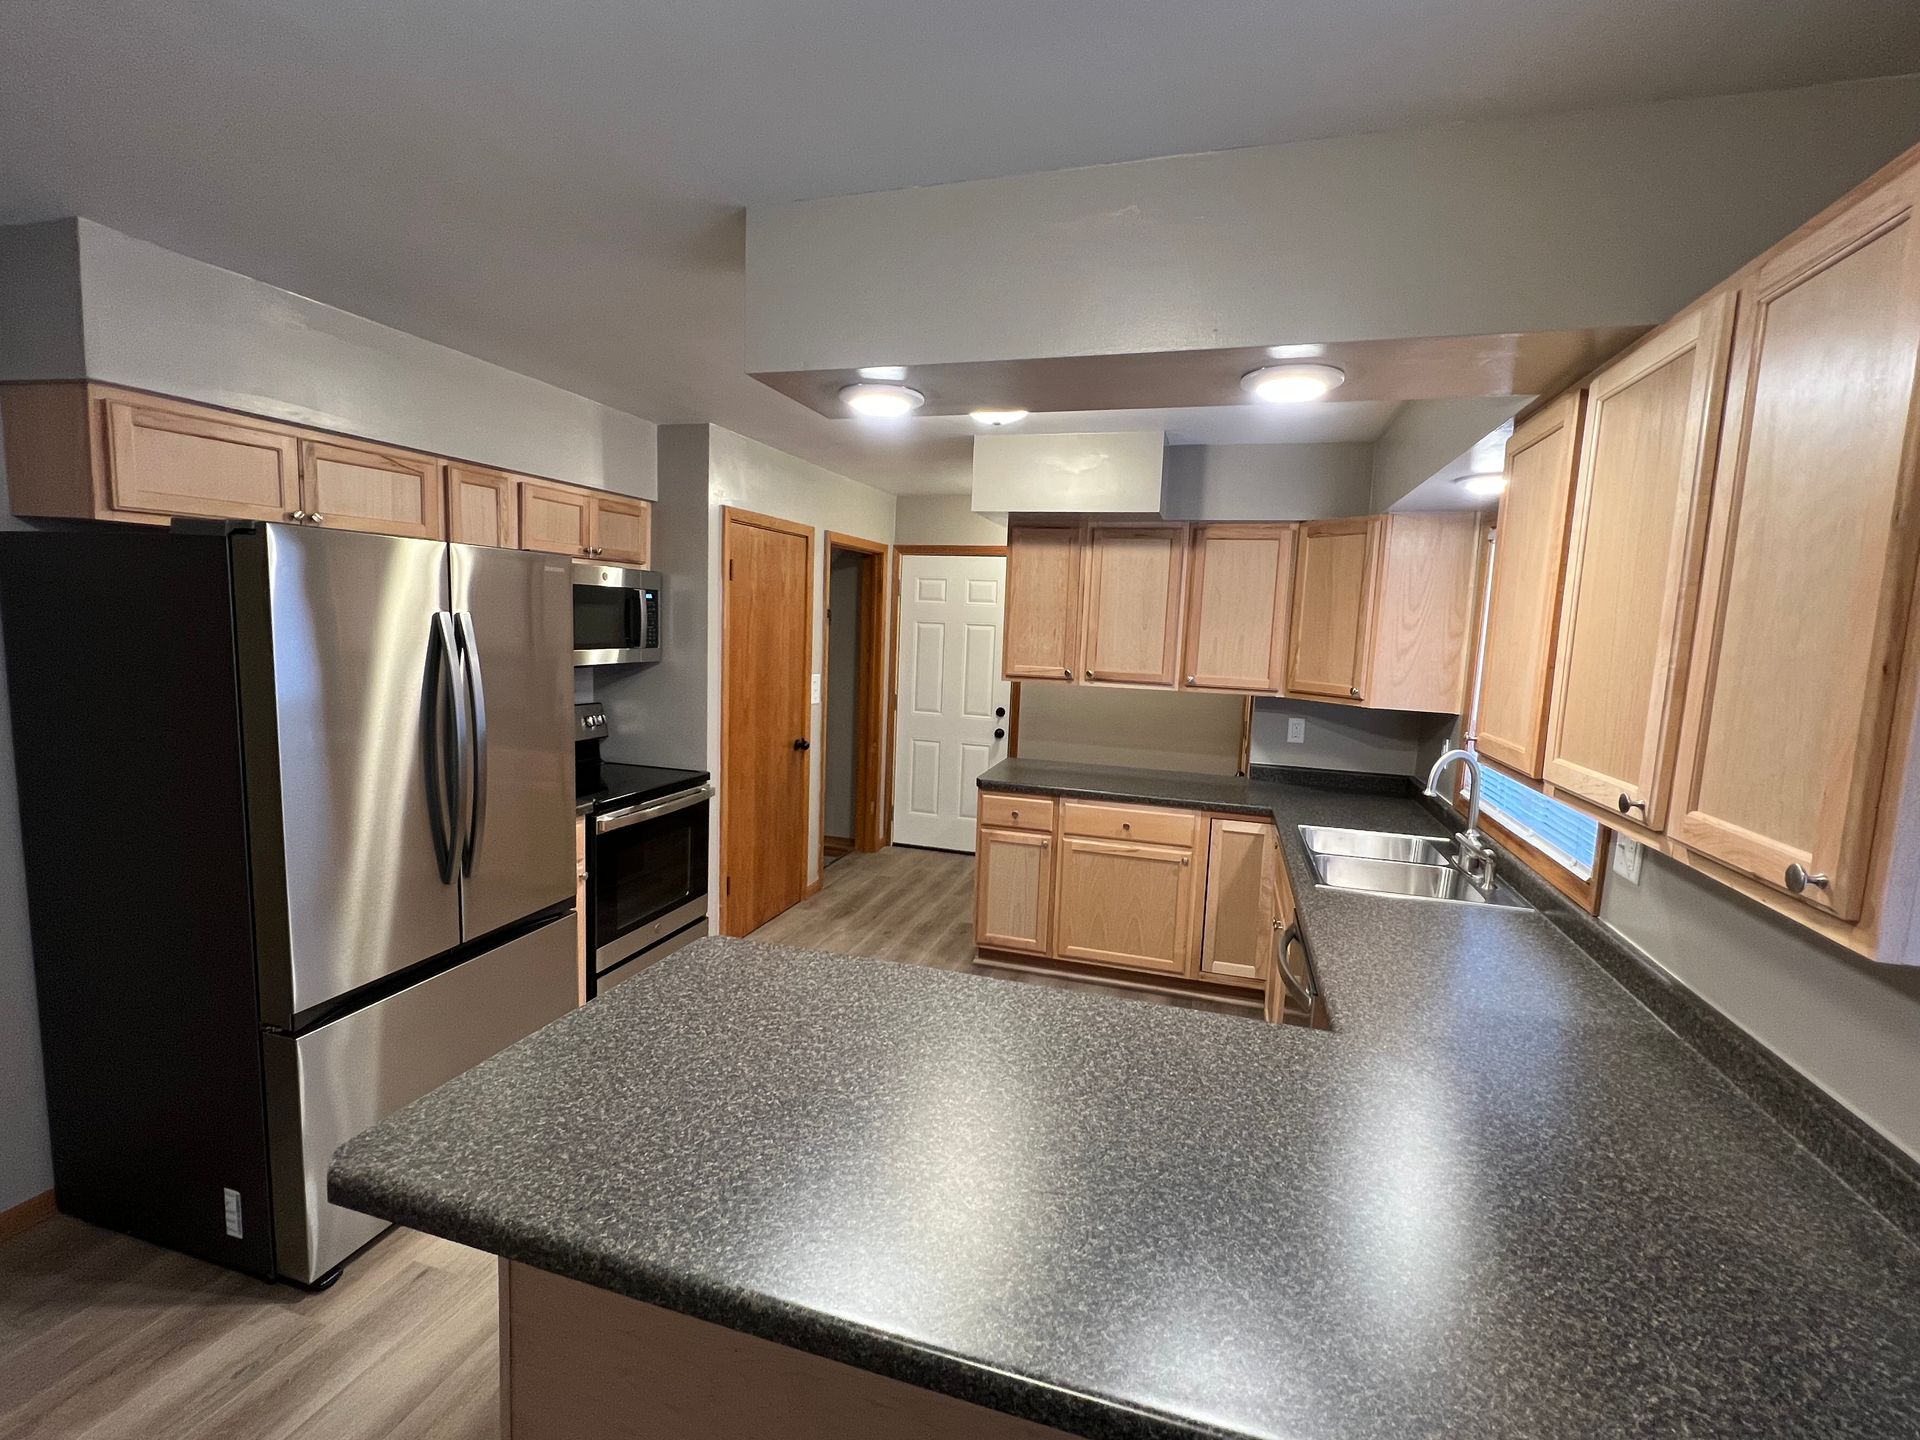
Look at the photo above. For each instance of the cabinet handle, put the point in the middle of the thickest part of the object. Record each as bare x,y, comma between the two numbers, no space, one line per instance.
1798,879
299,517
1627,803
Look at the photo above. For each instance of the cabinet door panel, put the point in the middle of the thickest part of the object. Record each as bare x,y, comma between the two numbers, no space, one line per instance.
1812,559
1242,903
1136,574
1122,904
169,459
1239,598
622,530
1332,608
1013,890
554,518
1640,502
1523,608
1042,640
384,492
481,508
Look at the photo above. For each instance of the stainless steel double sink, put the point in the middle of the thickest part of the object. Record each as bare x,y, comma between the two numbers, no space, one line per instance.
1414,867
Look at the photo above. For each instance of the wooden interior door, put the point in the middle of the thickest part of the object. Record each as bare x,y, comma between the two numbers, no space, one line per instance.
1633,562
1119,903
1239,598
1013,896
555,518
1243,903
1042,635
622,530
365,487
170,459
1136,575
766,717
1811,571
481,508
1333,584
1523,606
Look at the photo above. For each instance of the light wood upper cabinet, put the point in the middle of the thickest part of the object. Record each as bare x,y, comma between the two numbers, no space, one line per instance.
1810,577
1332,608
1243,903
169,458
1633,565
1136,578
1421,643
345,485
1523,606
1126,904
1239,598
555,518
622,529
1042,617
1013,890
482,508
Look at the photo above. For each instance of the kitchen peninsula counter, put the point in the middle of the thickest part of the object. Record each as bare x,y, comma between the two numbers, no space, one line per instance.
1498,1198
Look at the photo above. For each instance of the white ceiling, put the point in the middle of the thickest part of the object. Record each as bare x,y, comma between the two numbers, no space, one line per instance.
558,187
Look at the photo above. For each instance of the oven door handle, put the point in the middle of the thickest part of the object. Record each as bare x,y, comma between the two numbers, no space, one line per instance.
634,814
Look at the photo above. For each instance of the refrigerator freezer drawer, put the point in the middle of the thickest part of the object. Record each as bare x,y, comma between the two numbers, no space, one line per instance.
328,1085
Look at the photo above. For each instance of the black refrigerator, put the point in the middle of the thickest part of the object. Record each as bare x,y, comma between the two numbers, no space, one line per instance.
297,810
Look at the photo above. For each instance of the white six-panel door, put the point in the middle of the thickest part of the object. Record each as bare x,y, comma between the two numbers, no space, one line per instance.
953,699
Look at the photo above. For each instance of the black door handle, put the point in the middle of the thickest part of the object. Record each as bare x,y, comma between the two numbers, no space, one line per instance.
999,712
803,745
999,734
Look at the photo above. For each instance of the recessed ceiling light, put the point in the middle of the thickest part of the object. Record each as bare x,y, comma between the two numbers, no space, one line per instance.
1295,352
999,417
883,372
1484,486
1289,384
884,402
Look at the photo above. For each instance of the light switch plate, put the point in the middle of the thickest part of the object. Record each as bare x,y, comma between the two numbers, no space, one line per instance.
1296,731
816,689
1626,859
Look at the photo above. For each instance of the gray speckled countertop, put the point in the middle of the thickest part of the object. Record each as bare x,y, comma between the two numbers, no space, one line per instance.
1498,1199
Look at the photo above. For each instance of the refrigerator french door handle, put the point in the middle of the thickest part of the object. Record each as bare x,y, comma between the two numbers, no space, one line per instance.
477,698
443,762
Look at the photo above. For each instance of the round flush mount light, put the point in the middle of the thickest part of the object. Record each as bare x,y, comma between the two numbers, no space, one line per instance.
883,402
1295,352
1290,384
998,417
1483,486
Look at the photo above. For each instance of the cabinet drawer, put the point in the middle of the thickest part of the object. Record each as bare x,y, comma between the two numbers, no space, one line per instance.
1016,812
1142,824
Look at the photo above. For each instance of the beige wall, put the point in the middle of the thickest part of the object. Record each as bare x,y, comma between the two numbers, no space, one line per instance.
1268,482
1342,737
1426,438
1146,729
945,520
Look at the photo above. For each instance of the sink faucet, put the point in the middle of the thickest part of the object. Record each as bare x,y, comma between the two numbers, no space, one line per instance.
1476,852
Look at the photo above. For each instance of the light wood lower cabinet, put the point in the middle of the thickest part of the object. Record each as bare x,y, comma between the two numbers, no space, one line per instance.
1243,900
1013,891
1810,580
1125,904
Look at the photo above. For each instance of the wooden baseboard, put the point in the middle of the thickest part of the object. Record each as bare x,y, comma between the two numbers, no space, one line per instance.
836,846
1251,994
19,1219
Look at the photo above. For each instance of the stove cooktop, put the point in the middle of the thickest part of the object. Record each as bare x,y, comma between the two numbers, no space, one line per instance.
608,785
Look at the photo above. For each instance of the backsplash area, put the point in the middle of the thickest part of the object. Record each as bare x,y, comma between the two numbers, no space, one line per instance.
1342,737
1149,729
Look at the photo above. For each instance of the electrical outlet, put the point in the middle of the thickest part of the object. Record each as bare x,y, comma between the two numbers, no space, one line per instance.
231,1204
1296,731
1626,859
816,689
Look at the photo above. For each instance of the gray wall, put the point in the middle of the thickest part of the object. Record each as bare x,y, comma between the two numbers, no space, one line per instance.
843,693
1268,482
1611,217
1147,729
158,321
1426,437
945,520
1341,737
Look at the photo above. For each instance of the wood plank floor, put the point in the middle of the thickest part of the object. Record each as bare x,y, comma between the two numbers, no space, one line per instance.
917,906
107,1338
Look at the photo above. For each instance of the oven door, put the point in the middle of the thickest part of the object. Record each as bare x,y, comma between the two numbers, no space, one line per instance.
646,874
616,614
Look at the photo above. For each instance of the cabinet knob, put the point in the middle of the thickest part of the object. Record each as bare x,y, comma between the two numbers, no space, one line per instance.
1190,680
1066,674
299,517
1353,692
316,518
1798,879
1014,813
1086,674
1628,804
1185,861
1045,843
1127,825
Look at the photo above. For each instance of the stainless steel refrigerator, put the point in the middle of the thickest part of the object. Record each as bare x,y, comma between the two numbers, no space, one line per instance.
297,807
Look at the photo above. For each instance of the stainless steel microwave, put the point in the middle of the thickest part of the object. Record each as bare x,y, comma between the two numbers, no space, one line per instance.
617,614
